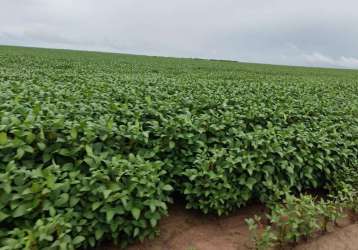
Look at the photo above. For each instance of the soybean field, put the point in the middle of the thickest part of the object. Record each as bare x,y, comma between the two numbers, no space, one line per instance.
94,146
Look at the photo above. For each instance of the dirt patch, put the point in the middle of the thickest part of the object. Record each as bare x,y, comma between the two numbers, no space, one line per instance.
188,230
341,239
191,230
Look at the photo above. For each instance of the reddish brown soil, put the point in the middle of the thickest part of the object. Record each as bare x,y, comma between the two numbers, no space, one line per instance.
340,239
190,230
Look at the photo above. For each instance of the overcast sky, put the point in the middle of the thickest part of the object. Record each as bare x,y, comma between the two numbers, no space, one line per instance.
294,32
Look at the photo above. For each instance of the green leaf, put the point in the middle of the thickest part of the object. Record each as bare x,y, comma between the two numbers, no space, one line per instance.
78,239
96,205
167,187
20,153
99,233
30,138
109,215
20,211
73,201
3,216
135,232
41,146
7,187
153,222
106,193
89,150
250,182
74,133
62,200
3,138
135,212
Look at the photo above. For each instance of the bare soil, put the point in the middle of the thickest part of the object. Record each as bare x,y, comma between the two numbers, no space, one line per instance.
191,230
340,239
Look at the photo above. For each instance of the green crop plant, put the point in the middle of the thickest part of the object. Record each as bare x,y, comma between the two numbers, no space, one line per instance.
263,237
294,219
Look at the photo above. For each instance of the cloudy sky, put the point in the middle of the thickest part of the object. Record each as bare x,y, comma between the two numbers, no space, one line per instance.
294,32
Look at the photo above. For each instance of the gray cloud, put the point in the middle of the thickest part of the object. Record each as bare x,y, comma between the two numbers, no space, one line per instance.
319,59
311,33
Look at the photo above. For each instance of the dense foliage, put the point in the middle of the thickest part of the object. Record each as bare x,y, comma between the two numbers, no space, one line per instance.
92,145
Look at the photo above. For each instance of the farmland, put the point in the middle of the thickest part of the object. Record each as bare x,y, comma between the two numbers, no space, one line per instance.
94,146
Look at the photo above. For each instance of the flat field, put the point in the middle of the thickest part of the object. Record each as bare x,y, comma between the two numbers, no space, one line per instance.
94,146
